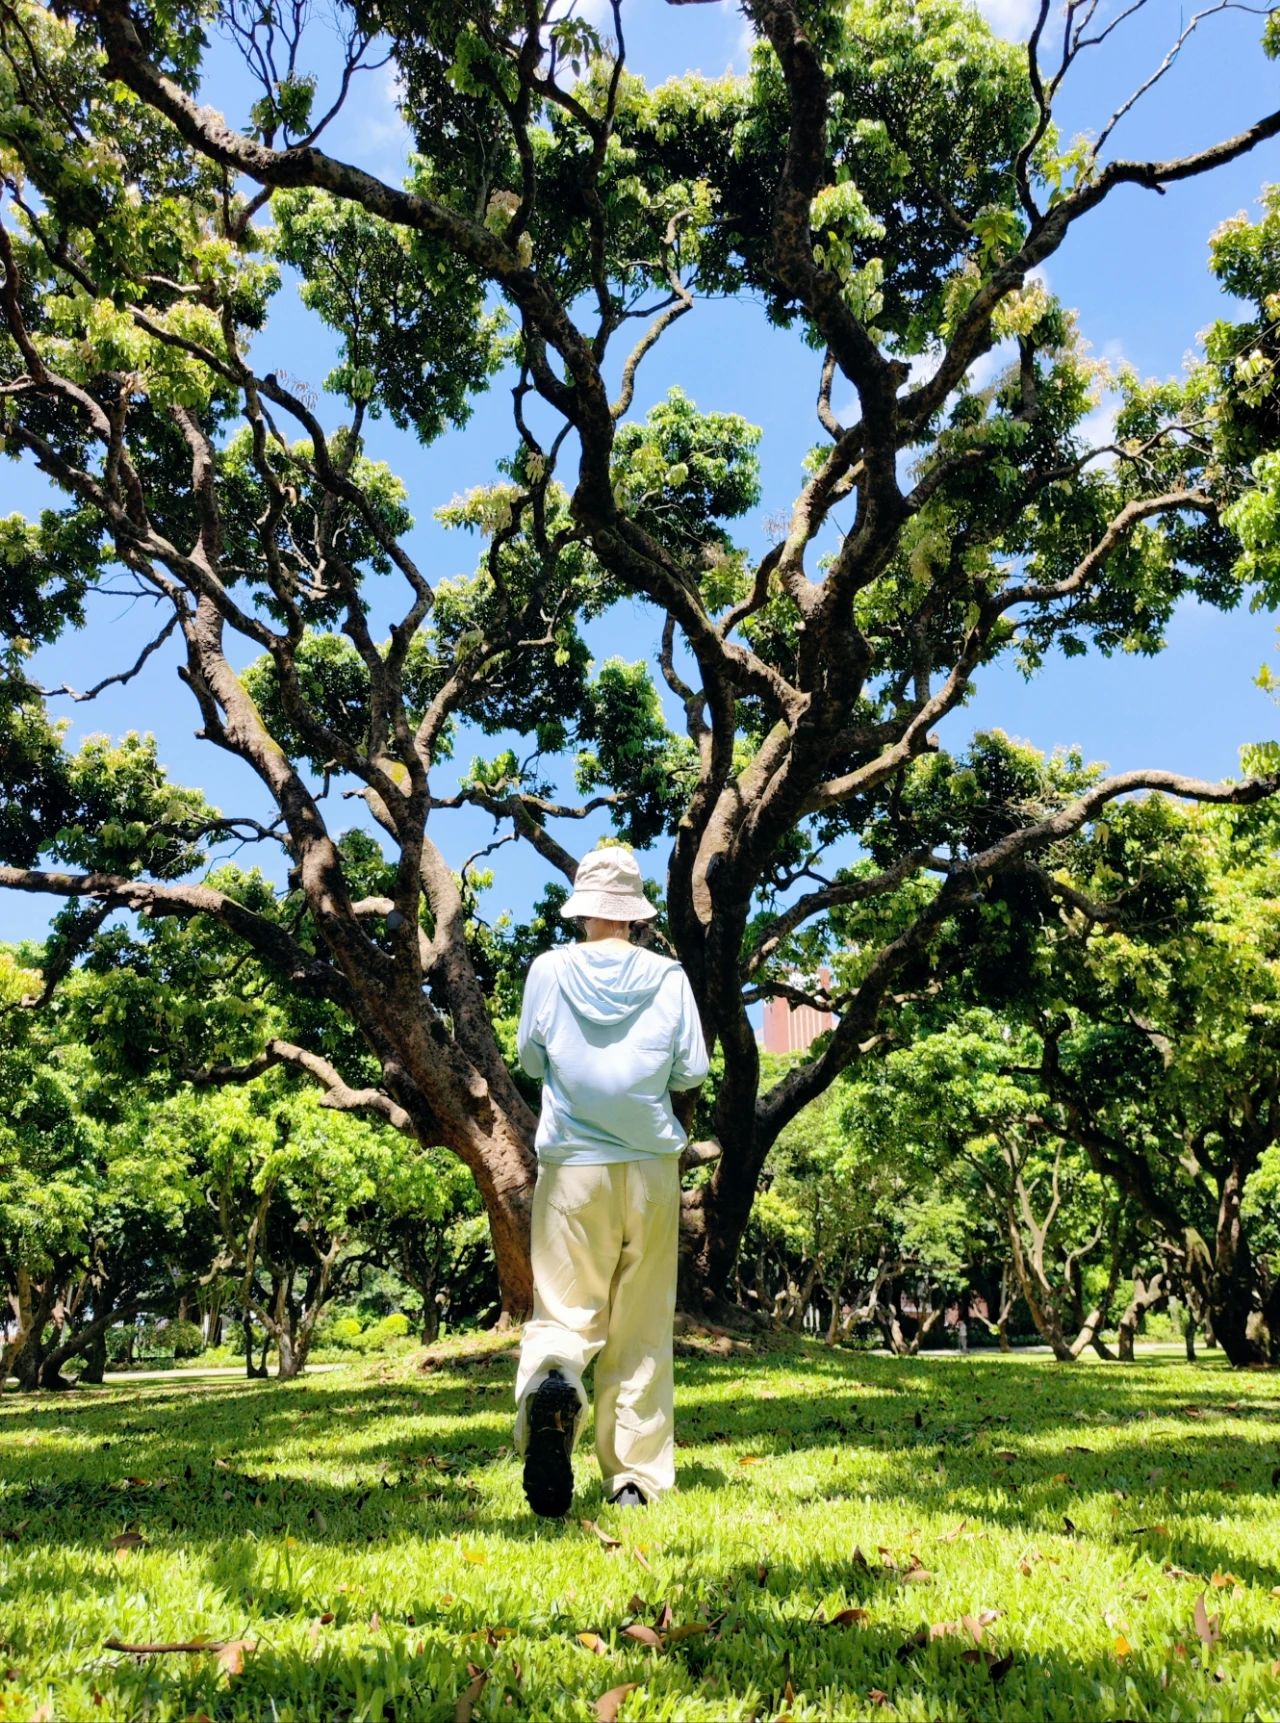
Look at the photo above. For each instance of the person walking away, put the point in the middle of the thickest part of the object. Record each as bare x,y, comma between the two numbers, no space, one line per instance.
612,1030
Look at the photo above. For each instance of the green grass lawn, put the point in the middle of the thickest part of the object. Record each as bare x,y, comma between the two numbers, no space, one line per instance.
838,1518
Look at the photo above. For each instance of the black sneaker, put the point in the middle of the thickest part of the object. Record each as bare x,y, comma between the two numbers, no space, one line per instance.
552,1415
629,1497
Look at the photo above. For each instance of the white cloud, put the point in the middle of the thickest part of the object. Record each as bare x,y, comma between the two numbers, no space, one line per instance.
385,134
1012,19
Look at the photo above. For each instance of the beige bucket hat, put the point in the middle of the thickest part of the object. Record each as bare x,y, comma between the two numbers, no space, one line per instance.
609,884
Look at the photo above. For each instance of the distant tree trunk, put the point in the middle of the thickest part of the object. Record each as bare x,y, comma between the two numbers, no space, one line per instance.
32,1303
1234,1296
900,1341
92,1333
1147,1295
95,1360
255,1372
1008,1296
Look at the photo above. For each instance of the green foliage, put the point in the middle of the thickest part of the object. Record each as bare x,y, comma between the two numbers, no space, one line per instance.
416,341
630,746
680,474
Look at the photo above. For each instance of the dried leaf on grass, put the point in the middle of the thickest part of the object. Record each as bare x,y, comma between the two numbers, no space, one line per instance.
607,1540
609,1704
643,1635
126,1541
231,1656
850,1618
593,1642
470,1694
1208,1628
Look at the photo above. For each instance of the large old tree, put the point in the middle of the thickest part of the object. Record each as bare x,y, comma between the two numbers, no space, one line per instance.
885,181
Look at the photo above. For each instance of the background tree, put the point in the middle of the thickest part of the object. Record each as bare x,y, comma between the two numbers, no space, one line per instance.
887,180
92,1224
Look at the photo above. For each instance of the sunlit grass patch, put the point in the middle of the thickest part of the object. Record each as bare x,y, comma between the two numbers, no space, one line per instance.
928,1538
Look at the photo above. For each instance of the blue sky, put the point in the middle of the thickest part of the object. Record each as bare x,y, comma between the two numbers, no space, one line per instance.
1135,271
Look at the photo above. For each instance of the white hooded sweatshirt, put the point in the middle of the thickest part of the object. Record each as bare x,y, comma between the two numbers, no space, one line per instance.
610,1029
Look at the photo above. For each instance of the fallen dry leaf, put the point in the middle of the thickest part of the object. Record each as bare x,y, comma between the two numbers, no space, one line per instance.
858,1559
762,1573
643,1635
1000,1668
593,1642
950,1537
231,1655
126,1541
1208,1629
470,1694
878,1696
665,1616
609,1704
607,1540
850,1618
1122,1647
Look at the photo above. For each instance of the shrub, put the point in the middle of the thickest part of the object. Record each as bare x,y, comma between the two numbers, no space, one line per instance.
186,1338
345,1332
382,1335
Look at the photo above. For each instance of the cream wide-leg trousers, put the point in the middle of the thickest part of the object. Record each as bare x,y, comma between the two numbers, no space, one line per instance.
604,1287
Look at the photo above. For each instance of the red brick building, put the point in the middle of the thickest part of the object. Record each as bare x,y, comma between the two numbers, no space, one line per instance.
791,1028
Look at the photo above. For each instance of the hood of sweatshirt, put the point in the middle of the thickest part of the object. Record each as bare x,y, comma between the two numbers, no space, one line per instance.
606,982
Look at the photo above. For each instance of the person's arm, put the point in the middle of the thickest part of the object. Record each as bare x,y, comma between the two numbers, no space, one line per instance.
689,1057
530,1047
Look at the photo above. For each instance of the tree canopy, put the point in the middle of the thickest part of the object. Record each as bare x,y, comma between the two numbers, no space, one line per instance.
886,179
